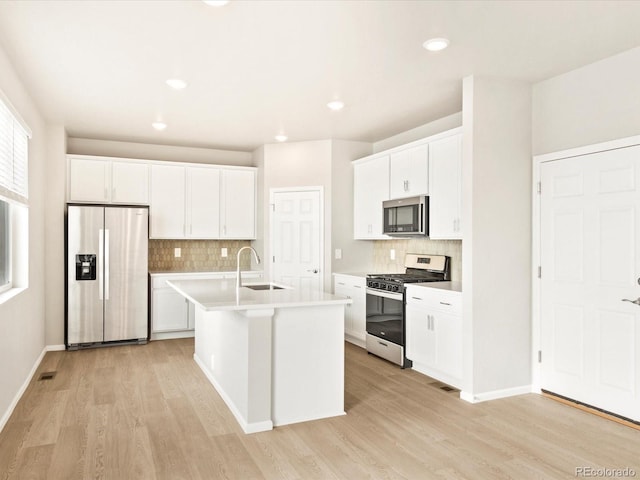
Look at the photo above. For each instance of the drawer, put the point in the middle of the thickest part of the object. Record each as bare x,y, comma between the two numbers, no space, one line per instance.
350,281
435,299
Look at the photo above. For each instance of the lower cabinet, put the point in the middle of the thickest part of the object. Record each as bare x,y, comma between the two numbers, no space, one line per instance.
171,311
172,315
355,314
434,333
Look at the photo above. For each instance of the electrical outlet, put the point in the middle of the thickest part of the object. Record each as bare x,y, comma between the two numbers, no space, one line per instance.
338,254
223,252
392,254
177,252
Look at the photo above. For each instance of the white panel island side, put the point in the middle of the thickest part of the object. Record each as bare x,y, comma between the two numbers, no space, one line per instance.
275,356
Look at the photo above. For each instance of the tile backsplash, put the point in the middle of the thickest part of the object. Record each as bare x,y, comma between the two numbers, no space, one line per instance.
196,255
382,260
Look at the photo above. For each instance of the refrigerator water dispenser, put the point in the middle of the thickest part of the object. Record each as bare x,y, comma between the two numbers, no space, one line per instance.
86,267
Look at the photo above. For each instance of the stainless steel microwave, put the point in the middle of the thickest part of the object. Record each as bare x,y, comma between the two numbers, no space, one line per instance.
406,216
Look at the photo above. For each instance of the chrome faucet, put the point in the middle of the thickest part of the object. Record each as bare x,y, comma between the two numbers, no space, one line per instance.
238,278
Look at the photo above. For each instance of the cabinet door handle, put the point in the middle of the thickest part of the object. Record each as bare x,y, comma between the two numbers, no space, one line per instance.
445,303
416,298
340,283
357,286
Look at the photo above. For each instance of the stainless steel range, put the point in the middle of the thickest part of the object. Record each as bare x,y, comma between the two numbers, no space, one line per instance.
386,304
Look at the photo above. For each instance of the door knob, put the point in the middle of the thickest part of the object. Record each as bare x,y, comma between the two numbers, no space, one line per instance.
315,270
636,301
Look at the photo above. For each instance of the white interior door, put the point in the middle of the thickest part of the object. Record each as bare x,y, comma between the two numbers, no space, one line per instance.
296,221
590,234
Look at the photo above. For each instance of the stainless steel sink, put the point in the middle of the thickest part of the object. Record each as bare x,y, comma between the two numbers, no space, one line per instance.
263,286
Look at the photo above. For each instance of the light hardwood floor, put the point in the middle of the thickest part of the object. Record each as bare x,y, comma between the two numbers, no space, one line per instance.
147,412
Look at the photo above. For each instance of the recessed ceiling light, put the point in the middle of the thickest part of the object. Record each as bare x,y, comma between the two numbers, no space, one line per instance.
159,125
176,83
335,105
216,3
281,138
436,44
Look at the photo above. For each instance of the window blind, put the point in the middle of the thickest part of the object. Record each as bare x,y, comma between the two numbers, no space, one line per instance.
14,154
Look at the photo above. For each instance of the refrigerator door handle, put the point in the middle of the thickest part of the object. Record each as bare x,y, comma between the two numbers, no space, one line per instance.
106,264
100,264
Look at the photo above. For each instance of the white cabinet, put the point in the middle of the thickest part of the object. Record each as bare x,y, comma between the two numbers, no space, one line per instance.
185,200
103,180
129,183
173,316
445,188
89,180
434,333
370,189
409,172
238,204
167,206
171,311
203,203
355,314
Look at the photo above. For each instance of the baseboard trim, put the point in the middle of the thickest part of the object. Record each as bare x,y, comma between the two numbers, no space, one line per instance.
22,389
495,394
592,410
253,427
55,348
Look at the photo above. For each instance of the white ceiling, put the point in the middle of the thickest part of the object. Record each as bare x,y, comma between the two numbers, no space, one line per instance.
258,68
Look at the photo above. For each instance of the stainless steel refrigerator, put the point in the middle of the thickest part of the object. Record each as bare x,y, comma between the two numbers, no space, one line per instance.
106,284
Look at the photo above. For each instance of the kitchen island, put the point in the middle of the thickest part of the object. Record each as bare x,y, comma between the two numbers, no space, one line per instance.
276,356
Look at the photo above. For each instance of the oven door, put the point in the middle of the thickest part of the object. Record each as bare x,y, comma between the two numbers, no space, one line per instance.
385,315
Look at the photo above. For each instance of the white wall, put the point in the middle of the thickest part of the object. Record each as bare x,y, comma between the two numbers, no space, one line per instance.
56,170
432,128
325,163
497,235
22,325
108,148
357,255
297,164
592,104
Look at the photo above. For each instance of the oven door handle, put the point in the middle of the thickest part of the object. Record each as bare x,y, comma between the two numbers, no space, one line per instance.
379,293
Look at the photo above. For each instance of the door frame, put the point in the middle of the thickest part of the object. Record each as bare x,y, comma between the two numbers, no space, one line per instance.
320,190
536,217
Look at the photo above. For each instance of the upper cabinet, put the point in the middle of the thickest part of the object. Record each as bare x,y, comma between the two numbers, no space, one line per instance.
238,203
130,183
186,200
431,166
168,200
103,180
203,202
370,189
445,188
410,172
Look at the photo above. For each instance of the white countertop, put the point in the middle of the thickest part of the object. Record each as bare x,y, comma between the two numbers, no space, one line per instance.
450,286
159,273
220,294
352,274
